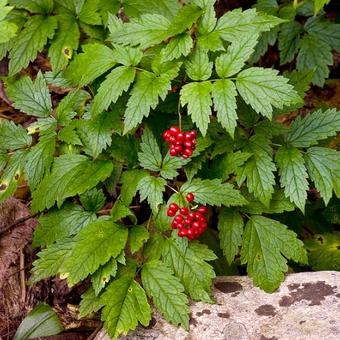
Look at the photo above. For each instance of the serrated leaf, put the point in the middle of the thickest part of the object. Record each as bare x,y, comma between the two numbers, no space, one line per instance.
197,96
213,192
145,31
198,67
230,226
89,12
210,42
95,60
258,170
289,41
167,8
130,180
319,4
103,275
90,303
264,89
60,223
167,292
145,96
125,304
208,20
115,83
301,80
267,244
7,29
152,188
316,126
138,235
51,259
31,40
94,245
315,54
41,321
239,51
127,56
234,23
193,167
31,97
180,45
150,156
120,211
323,166
71,175
36,6
39,160
293,175
13,136
170,165
65,42
195,274
93,200
323,251
224,97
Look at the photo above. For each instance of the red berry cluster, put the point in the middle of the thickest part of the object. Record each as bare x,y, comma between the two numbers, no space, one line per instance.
190,223
181,143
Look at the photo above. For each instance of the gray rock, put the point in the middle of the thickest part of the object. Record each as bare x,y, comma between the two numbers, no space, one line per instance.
306,307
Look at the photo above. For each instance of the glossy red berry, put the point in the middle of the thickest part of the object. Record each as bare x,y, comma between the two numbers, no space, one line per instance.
174,206
171,212
184,211
182,232
202,209
190,197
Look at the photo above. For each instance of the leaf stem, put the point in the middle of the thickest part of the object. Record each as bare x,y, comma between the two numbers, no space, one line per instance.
179,114
172,188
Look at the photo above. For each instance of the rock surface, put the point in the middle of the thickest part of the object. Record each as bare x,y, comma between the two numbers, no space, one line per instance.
306,307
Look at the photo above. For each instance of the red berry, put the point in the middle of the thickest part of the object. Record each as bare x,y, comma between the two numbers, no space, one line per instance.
187,152
202,209
178,148
174,206
173,152
179,218
180,225
193,134
184,211
180,137
196,225
174,130
190,197
171,212
182,232
190,234
174,224
188,144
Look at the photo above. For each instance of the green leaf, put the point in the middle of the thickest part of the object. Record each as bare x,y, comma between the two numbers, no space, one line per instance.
170,165
190,267
120,211
258,170
31,97
117,82
289,41
71,175
13,136
95,60
88,13
7,29
210,42
213,192
167,292
323,166
167,8
103,275
264,89
230,226
125,304
315,54
323,251
239,51
39,160
235,23
60,223
145,31
90,303
145,96
197,96
319,4
180,45
150,156
184,19
198,67
36,6
208,20
51,259
41,321
193,167
130,180
94,245
93,200
318,125
152,188
30,41
10,177
138,235
267,244
224,96
65,42
301,80
128,56
293,175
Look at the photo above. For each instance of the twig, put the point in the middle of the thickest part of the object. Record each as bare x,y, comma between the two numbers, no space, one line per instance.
16,222
22,276
95,332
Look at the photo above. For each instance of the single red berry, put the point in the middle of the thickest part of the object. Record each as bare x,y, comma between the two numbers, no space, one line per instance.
197,215
190,197
190,234
187,152
202,219
188,144
178,148
173,152
179,218
184,211
193,134
174,224
172,139
174,206
202,209
182,232
180,225
196,225
174,130
180,137
171,212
